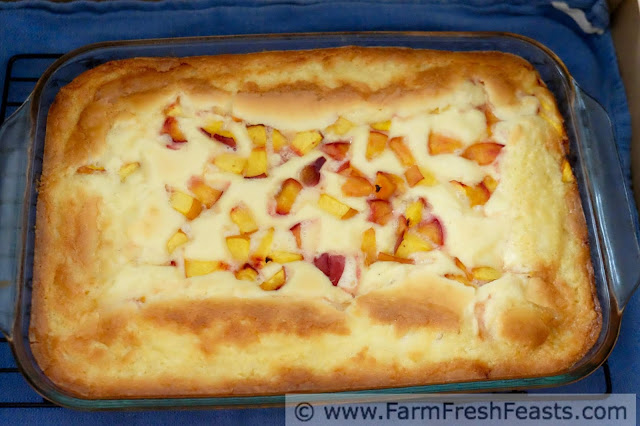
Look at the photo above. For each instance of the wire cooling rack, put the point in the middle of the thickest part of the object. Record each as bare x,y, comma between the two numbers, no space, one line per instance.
23,71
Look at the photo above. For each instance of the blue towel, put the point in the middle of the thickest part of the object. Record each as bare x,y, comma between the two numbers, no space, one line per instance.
586,49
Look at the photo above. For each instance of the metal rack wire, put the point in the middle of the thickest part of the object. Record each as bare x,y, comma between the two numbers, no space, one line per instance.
23,71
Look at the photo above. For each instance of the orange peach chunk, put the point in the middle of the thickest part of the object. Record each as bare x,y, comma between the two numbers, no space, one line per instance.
278,141
246,273
357,187
335,207
401,151
304,142
281,256
483,153
386,257
296,230
275,282
239,246
185,204
207,195
194,268
441,144
258,135
336,150
242,216
384,186
411,243
287,196
256,163
340,127
230,163
376,144
264,248
368,246
176,240
126,170
381,211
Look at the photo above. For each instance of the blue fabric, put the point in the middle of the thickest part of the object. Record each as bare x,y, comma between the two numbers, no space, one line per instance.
40,26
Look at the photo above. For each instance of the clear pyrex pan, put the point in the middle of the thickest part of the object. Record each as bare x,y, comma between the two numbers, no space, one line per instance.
606,201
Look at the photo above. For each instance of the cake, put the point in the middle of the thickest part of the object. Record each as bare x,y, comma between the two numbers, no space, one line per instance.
307,221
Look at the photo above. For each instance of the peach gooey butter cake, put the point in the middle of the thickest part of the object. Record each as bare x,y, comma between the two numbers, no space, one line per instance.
322,220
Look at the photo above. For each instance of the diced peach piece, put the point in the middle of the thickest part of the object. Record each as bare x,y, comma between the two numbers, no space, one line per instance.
482,153
376,144
478,195
256,163
429,178
413,175
207,195
340,127
242,216
258,135
441,144
276,281
246,273
401,151
185,204
230,163
278,141
386,257
287,195
485,273
304,142
432,230
236,119
238,246
336,150
90,170
332,265
126,170
357,187
170,127
346,169
264,248
215,131
176,240
173,109
411,243
280,256
212,127
381,211
414,212
296,230
310,174
384,186
335,207
368,246
567,174
383,126
490,183
194,268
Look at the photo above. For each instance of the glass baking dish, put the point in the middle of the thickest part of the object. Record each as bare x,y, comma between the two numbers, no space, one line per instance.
606,201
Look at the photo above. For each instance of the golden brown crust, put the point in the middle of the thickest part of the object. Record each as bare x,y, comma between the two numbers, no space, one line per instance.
104,342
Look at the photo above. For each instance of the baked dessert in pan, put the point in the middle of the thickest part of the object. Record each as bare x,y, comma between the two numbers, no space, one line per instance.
322,220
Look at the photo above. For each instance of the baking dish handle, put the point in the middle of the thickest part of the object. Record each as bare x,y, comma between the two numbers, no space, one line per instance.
14,135
614,220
